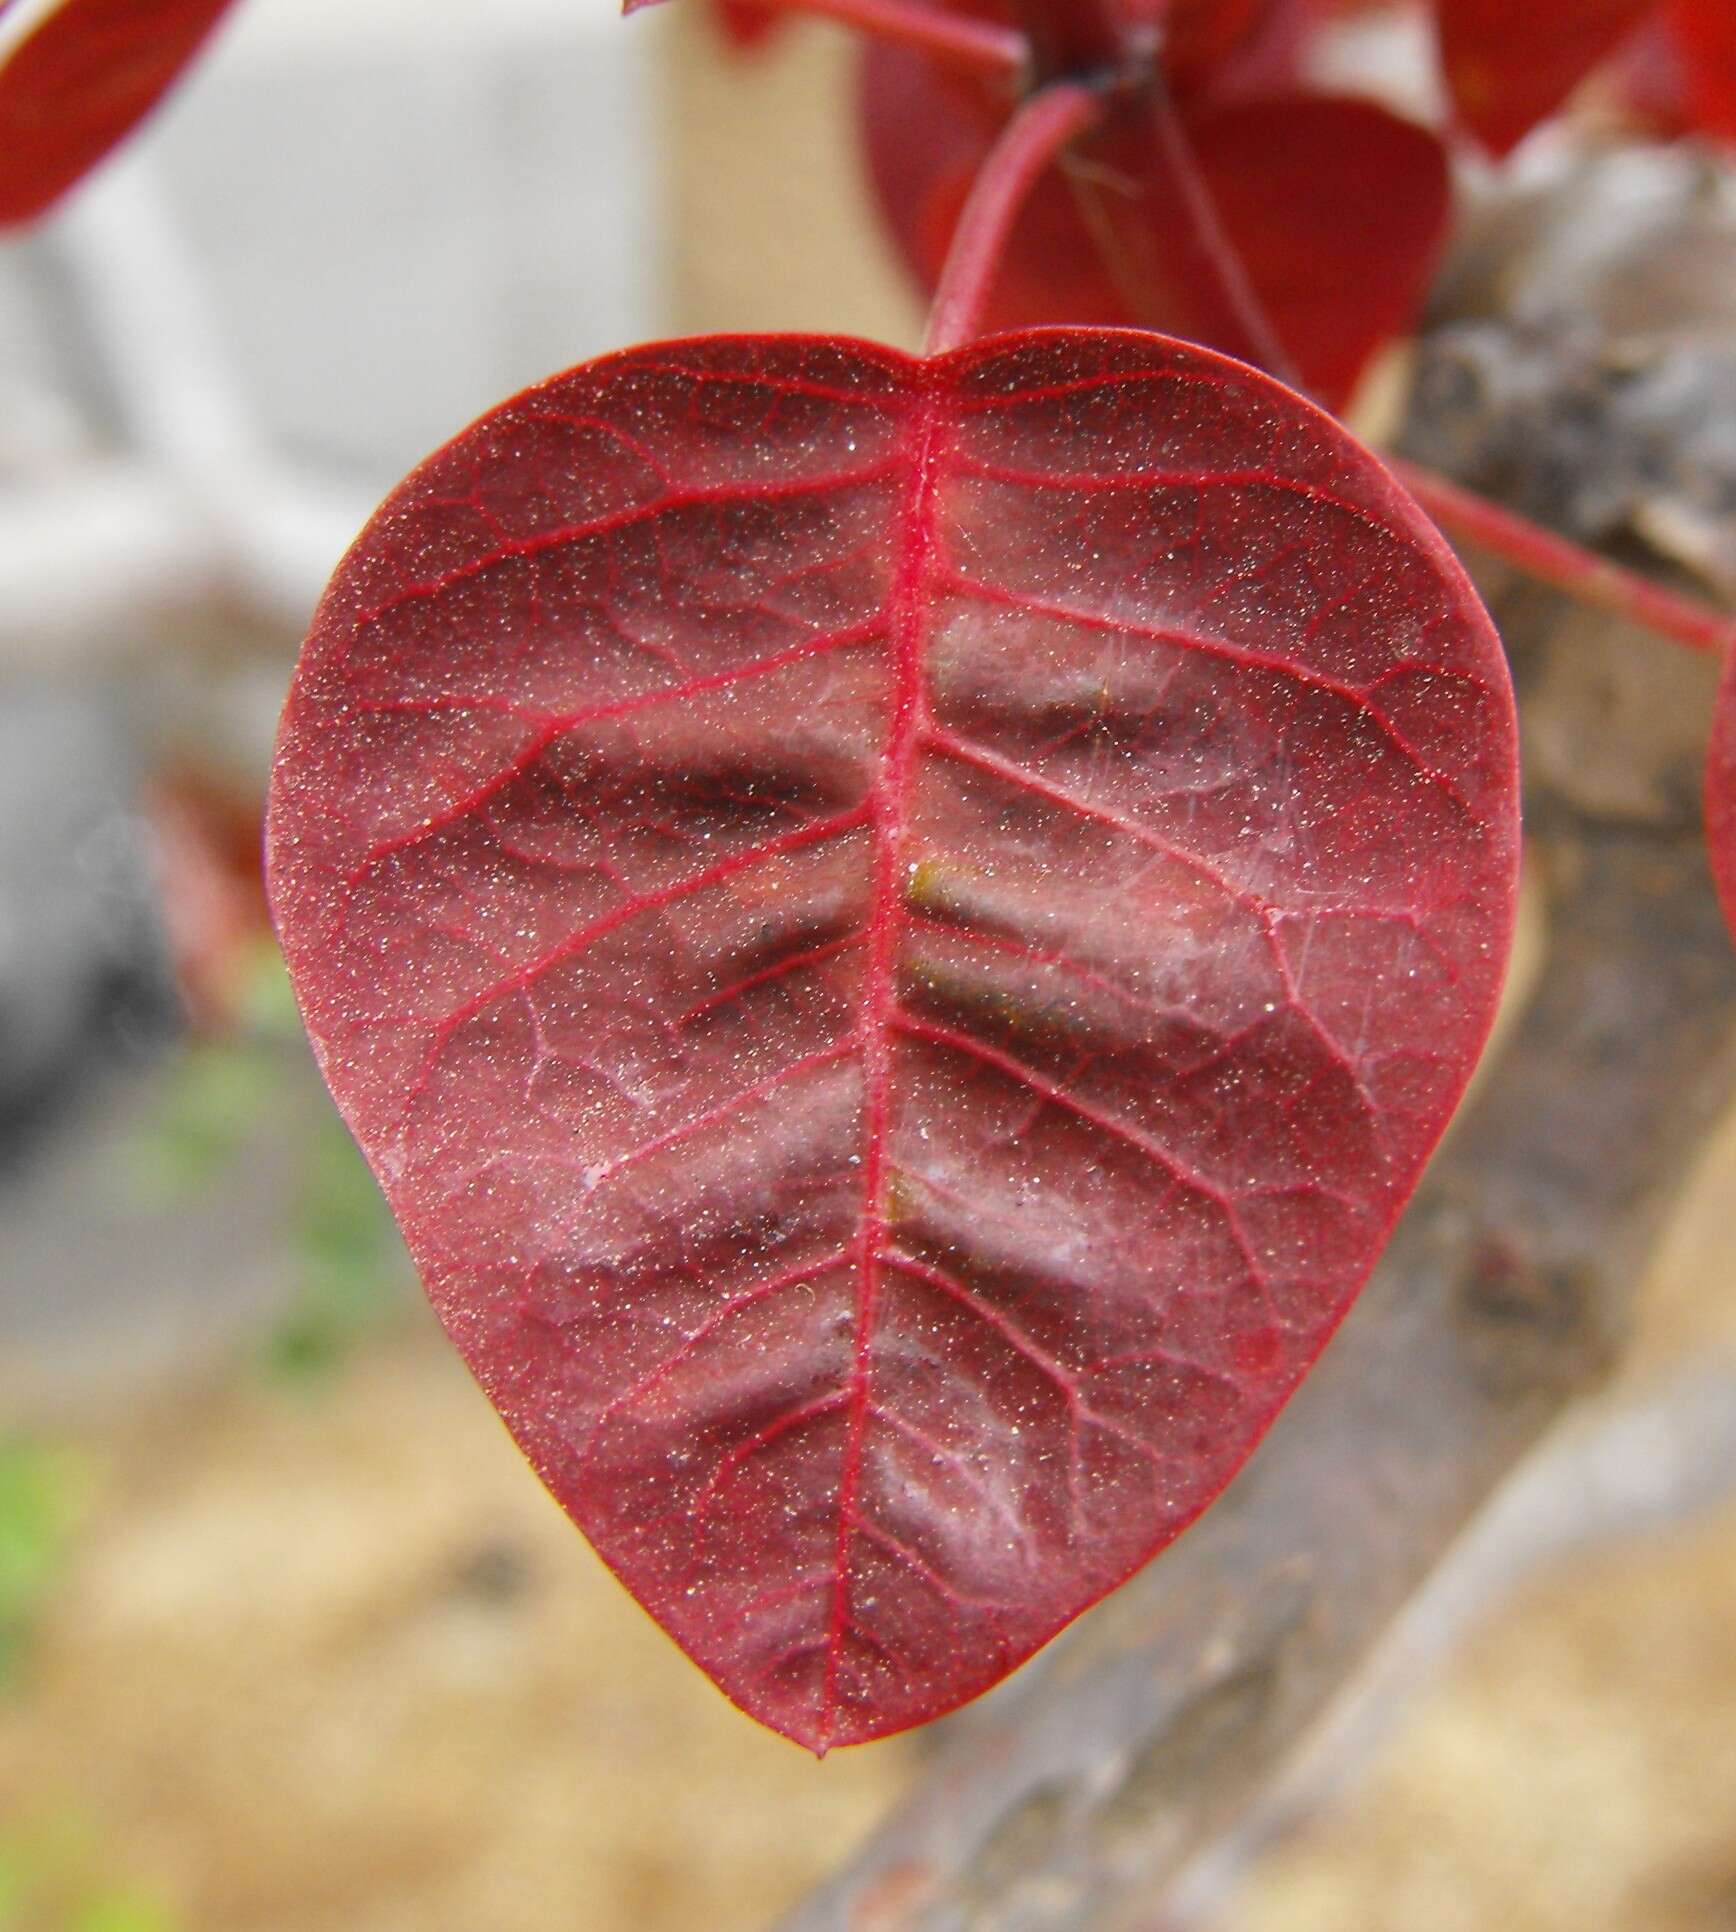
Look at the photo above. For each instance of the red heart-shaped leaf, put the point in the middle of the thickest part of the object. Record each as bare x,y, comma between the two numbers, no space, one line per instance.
896,933
1336,211
1721,793
1510,66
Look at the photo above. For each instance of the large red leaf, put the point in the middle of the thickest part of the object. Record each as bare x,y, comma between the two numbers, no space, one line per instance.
1509,66
1721,793
1706,32
1335,208
82,81
1338,211
896,934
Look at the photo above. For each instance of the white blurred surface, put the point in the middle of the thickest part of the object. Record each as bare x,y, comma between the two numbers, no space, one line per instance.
408,209
355,226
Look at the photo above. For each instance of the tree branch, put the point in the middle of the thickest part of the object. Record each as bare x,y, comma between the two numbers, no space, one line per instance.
1656,1462
1140,1737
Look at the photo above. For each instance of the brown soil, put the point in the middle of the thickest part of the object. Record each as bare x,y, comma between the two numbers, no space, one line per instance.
329,1660
1575,1770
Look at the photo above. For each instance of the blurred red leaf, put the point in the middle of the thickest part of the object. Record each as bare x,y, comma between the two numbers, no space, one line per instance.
1336,209
1227,46
1721,792
746,24
1650,80
82,81
1509,66
1706,31
897,934
210,889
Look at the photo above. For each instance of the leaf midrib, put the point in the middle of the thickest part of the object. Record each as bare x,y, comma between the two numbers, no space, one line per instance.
908,611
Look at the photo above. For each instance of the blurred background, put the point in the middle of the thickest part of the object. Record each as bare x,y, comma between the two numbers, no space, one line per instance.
290,1639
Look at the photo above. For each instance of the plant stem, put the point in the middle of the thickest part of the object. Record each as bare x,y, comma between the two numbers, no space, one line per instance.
1559,561
983,44
1040,128
1072,39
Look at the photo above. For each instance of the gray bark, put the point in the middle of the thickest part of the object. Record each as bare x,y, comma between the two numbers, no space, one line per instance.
1156,1728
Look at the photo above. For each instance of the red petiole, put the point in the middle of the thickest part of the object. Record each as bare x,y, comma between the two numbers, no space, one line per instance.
1556,560
1041,127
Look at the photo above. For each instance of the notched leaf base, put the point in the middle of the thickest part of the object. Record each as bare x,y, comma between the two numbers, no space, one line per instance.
897,934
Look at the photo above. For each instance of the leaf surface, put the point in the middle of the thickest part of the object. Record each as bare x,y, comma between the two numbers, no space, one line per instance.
1226,47
1509,66
1336,209
897,934
1706,32
81,82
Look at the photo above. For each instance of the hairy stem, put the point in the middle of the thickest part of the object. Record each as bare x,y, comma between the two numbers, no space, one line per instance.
1042,126
983,44
1557,560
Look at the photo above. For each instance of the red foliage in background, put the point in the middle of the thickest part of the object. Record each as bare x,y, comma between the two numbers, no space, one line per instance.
1510,66
1333,208
81,82
1721,792
1705,30
746,24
